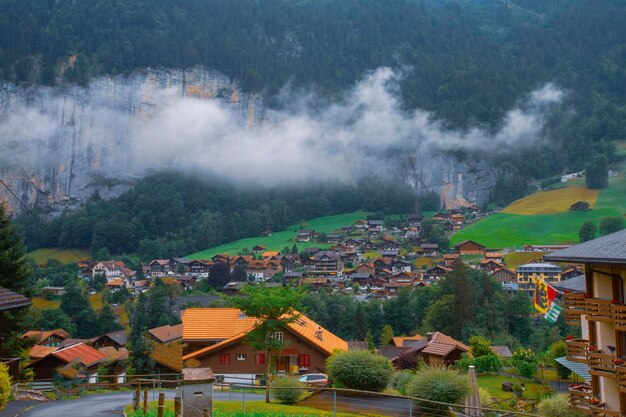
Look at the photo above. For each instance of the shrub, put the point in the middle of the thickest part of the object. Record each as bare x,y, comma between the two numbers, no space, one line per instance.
401,381
488,364
287,390
438,384
557,406
362,370
480,346
5,385
526,369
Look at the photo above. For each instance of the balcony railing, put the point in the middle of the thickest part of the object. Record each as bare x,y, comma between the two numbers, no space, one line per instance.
619,316
575,306
577,350
600,411
602,364
580,397
598,309
621,378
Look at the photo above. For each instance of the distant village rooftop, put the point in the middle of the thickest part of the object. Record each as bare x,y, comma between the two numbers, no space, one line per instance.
608,249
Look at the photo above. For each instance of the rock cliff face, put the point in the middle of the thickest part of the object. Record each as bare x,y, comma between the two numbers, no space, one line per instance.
60,145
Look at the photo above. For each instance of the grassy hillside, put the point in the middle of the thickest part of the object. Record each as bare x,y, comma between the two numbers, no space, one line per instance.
552,201
508,230
279,240
41,256
95,300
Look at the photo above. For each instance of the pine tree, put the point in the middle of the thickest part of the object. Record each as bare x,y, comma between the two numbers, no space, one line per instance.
14,274
359,324
370,341
107,321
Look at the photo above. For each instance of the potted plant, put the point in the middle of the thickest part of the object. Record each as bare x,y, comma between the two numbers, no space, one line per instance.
618,361
518,389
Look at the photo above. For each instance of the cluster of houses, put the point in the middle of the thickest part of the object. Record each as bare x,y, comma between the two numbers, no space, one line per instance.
364,258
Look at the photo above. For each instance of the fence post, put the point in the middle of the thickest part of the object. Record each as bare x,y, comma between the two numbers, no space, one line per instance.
206,412
334,403
137,397
145,401
161,406
410,408
177,405
243,401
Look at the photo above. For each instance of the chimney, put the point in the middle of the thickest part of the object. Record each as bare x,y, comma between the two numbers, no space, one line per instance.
429,336
319,333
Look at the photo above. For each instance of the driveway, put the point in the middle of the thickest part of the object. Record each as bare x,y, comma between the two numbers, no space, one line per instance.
112,404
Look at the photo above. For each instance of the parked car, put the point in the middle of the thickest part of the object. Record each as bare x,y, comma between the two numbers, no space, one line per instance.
314,380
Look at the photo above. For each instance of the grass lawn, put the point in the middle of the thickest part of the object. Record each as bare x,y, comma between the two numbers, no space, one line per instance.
507,230
44,304
253,409
41,256
493,384
94,299
279,240
553,201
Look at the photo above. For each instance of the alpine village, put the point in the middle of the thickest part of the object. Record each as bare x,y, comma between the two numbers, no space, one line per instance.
313,208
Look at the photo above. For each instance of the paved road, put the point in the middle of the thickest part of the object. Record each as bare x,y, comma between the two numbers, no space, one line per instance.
112,404
361,403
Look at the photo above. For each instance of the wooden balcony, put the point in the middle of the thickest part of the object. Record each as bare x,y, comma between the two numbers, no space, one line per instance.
575,306
621,378
580,396
598,309
600,411
601,364
577,350
619,316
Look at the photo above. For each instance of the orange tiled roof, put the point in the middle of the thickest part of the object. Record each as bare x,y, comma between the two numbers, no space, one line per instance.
38,351
270,253
115,283
81,353
113,354
43,335
170,356
399,341
229,320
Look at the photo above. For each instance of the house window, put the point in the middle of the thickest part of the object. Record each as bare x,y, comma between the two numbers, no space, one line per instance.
225,359
304,360
241,356
259,359
278,335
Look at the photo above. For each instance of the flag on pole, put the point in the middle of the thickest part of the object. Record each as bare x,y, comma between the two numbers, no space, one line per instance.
553,314
544,295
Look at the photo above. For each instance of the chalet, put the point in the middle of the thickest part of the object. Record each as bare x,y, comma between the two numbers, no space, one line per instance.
186,281
469,247
290,262
362,278
328,262
436,349
544,248
310,251
430,249
339,247
414,220
375,226
305,235
393,254
457,219
346,229
116,284
436,273
232,288
243,261
394,284
215,338
58,291
495,256
488,266
449,259
258,249
159,268
370,246
116,340
271,254
349,256
580,206
389,244
166,334
360,224
352,244
47,338
571,272
381,264
109,269
333,238
69,362
222,257
200,268
140,286
294,277
257,269
266,233
401,266
180,265
365,268
504,275
441,217
316,284
528,274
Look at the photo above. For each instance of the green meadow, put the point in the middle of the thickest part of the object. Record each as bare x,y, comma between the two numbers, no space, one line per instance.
505,230
279,240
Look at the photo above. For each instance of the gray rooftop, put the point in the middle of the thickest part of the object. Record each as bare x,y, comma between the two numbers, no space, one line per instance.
575,284
608,249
